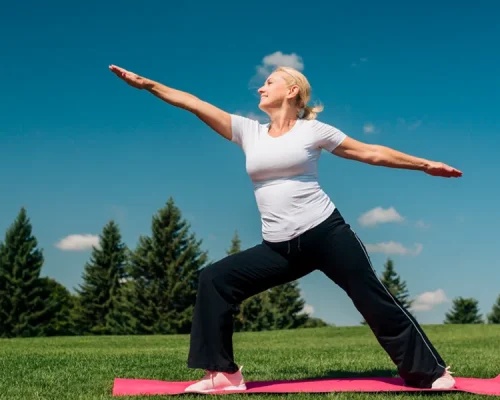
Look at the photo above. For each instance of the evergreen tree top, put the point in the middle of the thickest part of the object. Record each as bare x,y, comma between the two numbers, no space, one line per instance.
235,244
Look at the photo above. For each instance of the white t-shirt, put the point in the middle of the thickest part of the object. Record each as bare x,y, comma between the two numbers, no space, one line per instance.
284,172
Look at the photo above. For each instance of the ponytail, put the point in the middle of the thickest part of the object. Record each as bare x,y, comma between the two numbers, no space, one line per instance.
310,113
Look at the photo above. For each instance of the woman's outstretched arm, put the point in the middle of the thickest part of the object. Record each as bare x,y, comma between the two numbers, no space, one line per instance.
217,119
384,156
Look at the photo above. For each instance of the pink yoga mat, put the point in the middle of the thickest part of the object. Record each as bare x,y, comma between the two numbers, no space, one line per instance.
123,387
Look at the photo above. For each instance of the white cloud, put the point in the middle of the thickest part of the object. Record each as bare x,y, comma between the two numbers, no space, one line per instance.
418,249
392,247
421,224
378,215
78,242
308,309
368,128
271,61
279,59
426,301
411,126
415,125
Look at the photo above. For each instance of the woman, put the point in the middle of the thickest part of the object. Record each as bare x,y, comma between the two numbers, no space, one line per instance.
302,230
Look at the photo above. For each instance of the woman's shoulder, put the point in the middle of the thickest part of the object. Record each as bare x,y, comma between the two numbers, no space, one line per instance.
314,124
318,125
325,134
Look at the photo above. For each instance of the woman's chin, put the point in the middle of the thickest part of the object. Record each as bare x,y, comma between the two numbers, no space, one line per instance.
263,106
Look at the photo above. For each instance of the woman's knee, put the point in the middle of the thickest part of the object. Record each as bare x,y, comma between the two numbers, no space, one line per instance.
215,277
208,274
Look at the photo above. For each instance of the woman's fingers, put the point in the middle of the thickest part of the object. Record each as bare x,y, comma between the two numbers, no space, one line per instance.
129,77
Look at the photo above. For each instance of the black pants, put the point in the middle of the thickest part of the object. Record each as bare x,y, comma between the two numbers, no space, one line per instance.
333,248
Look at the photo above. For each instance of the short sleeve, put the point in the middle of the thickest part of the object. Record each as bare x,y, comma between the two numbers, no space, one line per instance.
241,127
329,137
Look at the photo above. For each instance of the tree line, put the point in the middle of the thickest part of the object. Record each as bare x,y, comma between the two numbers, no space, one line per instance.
150,289
147,290
462,311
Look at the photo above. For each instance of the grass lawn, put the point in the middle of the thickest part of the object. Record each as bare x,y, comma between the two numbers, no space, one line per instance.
84,367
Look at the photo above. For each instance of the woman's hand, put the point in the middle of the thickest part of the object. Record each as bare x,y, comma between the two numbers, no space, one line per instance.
439,169
132,79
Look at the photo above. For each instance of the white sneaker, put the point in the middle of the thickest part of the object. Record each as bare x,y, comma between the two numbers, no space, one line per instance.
445,382
215,381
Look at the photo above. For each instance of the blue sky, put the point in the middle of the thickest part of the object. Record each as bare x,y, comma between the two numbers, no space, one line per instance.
78,147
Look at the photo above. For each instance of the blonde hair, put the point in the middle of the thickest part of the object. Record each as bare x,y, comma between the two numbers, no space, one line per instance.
294,77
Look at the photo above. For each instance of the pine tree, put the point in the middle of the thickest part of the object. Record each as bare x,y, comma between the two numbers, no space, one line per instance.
99,294
253,314
397,287
314,323
120,320
250,315
235,244
464,311
494,316
165,268
287,306
22,308
60,303
392,281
